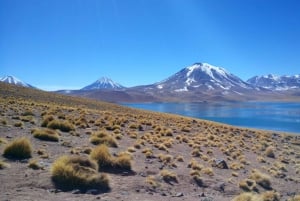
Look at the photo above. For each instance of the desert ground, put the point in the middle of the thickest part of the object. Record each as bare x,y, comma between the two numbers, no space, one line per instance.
112,153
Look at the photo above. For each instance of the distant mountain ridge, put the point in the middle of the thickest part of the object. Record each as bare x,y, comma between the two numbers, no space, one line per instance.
103,83
205,77
15,81
199,82
276,83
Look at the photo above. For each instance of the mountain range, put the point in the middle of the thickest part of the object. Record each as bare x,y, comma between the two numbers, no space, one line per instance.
196,83
15,81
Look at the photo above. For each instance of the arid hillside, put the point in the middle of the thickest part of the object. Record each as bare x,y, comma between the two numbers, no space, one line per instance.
55,147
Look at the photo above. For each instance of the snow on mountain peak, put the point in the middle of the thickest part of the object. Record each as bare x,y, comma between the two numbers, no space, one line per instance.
13,80
103,83
208,69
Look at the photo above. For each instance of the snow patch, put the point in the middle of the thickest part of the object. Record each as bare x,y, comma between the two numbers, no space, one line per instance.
181,90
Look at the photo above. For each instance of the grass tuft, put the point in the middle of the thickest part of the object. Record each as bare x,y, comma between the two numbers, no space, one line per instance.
78,173
262,179
46,134
109,163
20,148
63,126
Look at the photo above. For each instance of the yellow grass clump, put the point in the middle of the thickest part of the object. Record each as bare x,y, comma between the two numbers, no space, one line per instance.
20,148
168,176
63,126
78,173
3,165
103,138
107,162
46,134
261,179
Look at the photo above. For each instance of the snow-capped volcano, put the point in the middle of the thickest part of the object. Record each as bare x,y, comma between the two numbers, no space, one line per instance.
203,76
103,83
278,83
15,81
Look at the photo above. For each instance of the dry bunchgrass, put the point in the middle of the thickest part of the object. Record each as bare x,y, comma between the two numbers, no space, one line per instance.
2,141
3,165
20,148
295,198
102,156
246,197
261,179
34,164
46,134
61,125
78,173
248,185
270,152
150,180
168,176
109,163
266,196
102,137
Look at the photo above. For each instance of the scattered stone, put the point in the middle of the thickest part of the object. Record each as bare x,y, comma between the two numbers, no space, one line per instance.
124,193
54,191
76,191
163,194
92,191
220,163
220,187
179,194
142,174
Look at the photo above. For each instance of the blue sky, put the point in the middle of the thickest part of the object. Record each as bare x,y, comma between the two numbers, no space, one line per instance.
68,44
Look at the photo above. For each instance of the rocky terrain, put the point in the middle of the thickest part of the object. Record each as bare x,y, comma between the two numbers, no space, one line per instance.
117,153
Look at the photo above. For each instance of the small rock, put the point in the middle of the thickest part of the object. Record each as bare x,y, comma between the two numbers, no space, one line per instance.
92,191
220,187
220,163
163,194
179,194
76,191
142,174
124,193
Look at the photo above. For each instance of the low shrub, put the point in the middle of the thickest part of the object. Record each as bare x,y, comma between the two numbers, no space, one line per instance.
33,164
3,165
248,185
168,176
262,179
246,197
78,173
46,134
270,152
109,163
103,138
20,148
102,156
63,126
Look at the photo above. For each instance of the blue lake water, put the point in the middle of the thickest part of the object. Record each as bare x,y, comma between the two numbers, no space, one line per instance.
261,115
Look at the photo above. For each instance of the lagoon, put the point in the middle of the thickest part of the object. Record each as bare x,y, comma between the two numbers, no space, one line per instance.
277,116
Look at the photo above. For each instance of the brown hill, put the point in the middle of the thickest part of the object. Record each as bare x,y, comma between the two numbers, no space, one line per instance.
150,156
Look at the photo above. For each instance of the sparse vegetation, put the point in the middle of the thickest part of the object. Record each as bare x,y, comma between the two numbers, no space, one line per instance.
78,173
261,179
168,176
46,134
20,148
162,146
3,165
64,126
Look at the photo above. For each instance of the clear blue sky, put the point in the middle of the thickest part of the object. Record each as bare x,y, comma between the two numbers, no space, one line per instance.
63,44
